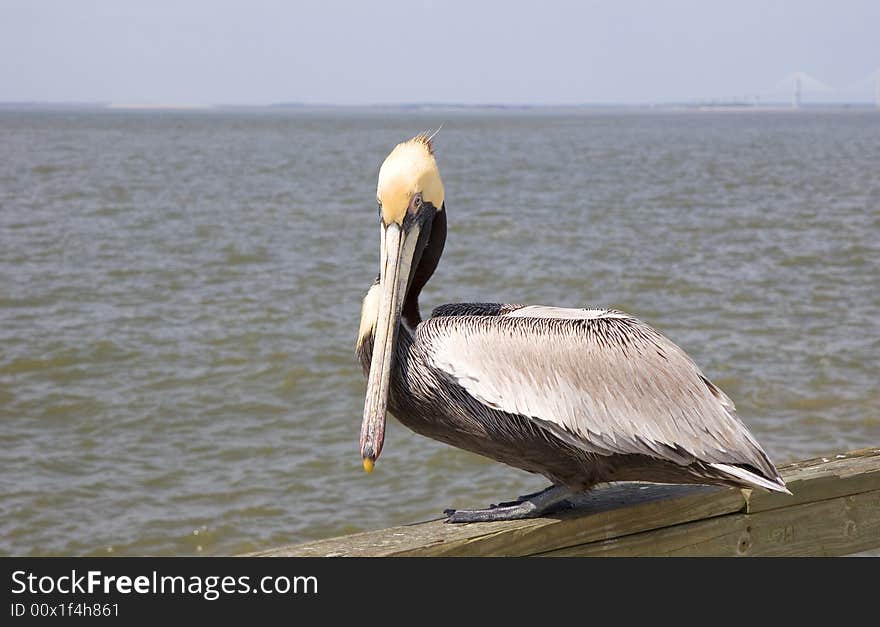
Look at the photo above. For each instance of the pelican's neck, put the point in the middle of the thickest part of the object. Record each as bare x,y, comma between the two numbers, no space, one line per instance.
367,332
427,264
410,316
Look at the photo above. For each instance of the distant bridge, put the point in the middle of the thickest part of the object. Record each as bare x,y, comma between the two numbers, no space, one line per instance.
797,84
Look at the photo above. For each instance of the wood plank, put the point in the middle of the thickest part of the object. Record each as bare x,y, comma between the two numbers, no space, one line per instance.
820,478
602,513
639,516
830,527
608,513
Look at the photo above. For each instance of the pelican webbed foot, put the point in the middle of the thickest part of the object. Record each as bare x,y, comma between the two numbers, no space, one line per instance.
529,506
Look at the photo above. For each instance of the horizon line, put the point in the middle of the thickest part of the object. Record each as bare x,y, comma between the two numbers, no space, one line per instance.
740,103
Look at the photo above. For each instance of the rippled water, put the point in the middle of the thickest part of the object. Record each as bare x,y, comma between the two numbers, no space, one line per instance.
180,295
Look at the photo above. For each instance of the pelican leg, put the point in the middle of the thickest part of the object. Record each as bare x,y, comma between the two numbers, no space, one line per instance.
533,506
524,497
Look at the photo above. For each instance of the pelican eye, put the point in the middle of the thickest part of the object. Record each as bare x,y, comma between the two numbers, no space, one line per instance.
417,201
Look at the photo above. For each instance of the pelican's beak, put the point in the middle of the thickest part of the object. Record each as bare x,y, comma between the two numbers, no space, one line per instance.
398,248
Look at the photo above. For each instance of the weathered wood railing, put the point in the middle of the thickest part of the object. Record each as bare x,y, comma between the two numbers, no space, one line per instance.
834,510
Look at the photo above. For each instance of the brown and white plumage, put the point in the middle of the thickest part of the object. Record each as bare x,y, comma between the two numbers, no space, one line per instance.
601,381
581,396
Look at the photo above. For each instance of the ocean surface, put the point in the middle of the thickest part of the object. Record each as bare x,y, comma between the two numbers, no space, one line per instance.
180,296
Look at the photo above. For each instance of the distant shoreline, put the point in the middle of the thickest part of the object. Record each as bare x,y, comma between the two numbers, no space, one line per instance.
443,107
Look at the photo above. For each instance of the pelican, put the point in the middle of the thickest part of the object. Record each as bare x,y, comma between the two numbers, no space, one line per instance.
580,396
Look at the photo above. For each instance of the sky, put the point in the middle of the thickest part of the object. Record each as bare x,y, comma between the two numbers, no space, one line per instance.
417,51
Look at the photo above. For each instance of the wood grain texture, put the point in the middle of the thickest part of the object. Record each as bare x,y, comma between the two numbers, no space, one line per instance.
835,510
602,513
838,526
825,477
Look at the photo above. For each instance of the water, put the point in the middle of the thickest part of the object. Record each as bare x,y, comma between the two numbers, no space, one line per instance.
180,295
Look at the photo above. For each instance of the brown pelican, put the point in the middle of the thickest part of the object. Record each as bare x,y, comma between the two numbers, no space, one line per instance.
580,396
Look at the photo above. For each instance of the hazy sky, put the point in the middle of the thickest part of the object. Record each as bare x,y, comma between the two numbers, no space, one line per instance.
348,52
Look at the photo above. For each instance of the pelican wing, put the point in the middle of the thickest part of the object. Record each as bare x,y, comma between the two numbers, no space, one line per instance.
598,379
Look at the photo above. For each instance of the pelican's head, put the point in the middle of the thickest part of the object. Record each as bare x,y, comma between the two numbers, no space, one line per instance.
410,195
409,181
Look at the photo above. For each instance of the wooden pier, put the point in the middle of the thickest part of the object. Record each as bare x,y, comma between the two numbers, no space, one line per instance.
834,510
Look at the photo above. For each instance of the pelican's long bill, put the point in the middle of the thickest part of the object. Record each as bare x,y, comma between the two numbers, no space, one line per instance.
397,250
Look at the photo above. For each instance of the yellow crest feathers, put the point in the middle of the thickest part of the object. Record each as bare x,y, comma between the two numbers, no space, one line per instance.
426,139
